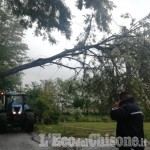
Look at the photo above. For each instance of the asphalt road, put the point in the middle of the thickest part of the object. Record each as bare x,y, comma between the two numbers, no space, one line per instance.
16,139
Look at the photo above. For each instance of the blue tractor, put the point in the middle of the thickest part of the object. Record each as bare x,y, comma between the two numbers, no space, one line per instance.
15,111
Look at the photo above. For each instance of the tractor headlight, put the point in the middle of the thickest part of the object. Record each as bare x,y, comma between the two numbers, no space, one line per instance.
14,112
17,110
20,111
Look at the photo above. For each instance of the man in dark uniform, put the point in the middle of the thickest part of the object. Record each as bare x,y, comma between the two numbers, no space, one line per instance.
129,119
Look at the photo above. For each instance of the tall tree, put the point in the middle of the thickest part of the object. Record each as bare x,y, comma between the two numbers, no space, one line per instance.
12,49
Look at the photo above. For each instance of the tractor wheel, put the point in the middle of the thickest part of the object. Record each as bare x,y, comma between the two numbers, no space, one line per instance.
29,122
3,122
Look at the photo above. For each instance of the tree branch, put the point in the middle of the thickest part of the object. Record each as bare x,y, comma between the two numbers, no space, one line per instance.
62,65
68,52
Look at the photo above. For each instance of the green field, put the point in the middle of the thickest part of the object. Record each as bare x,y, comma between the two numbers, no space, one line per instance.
83,129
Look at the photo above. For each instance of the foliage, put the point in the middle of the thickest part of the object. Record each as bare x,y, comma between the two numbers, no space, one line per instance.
12,49
78,102
84,118
98,19
51,15
42,101
48,15
124,67
63,95
77,113
12,82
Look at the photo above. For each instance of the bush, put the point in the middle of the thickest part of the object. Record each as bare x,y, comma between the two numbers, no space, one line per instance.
77,114
105,119
52,119
84,118
90,118
67,118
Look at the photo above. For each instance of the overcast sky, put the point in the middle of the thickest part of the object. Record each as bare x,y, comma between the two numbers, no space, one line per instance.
39,48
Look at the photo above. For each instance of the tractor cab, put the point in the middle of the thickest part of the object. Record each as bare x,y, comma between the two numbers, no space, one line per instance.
15,111
15,103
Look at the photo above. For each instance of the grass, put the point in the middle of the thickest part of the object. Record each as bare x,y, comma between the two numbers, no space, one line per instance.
83,129
85,118
147,130
78,129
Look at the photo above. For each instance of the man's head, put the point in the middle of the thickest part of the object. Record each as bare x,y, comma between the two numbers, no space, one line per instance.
125,95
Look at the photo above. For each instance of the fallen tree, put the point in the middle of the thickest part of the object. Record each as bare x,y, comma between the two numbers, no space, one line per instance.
101,47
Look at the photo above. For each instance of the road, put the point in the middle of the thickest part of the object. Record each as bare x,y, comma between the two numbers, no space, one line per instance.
15,139
18,140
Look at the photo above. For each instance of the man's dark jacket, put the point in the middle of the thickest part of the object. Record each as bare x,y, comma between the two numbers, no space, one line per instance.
129,119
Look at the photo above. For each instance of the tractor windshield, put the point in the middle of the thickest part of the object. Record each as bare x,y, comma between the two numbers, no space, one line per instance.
15,100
